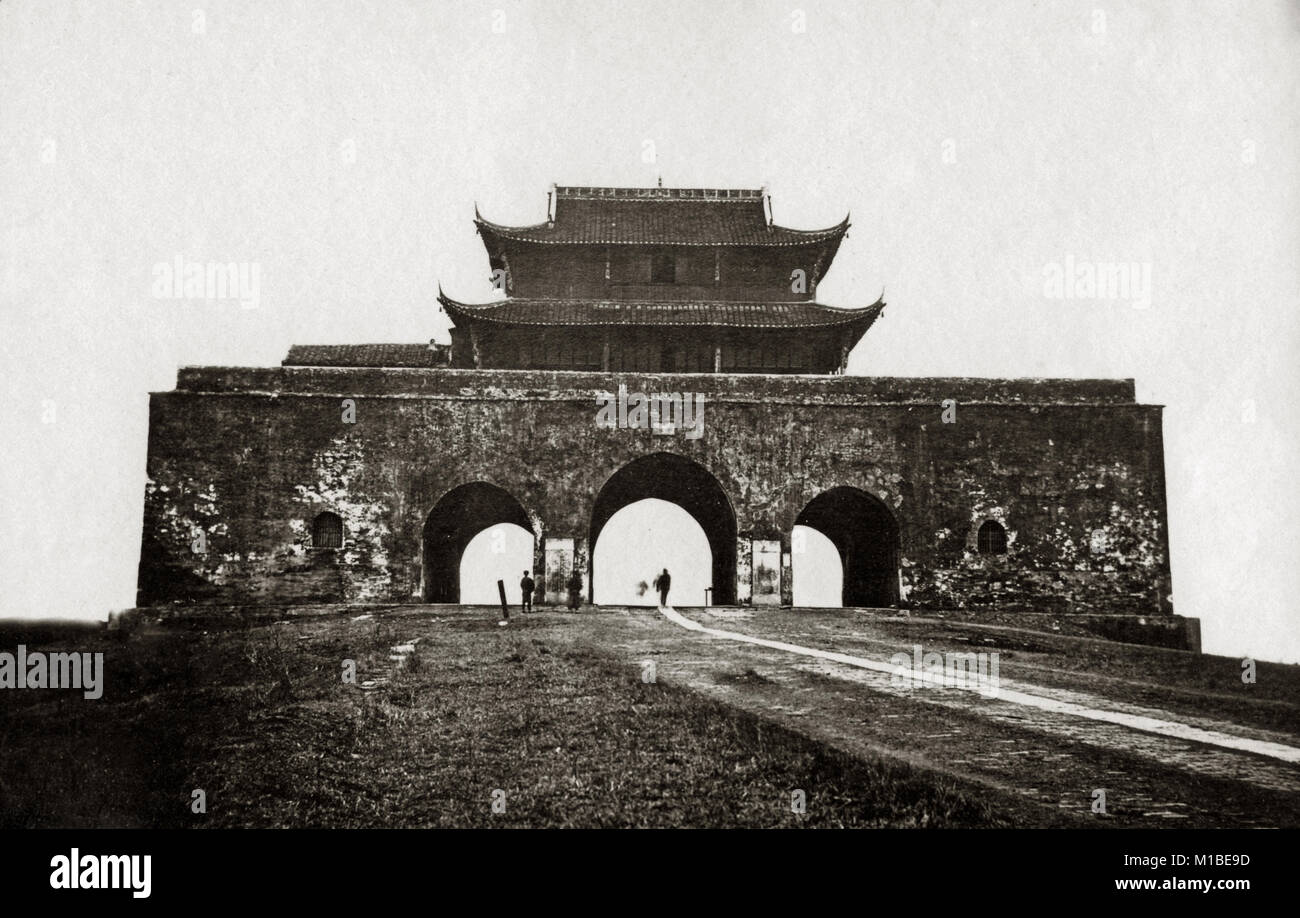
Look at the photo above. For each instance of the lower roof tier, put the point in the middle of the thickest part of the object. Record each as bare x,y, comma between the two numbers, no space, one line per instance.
520,311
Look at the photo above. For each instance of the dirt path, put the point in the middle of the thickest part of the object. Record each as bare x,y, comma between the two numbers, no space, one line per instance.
1054,745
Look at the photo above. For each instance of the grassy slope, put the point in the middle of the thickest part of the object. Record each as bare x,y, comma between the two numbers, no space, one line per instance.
260,719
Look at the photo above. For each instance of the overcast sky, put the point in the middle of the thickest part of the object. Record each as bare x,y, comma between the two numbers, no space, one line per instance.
341,146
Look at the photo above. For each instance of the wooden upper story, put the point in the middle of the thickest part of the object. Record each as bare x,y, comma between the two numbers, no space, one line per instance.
662,244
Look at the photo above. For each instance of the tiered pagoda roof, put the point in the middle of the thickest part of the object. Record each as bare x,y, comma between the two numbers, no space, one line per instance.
588,218
692,280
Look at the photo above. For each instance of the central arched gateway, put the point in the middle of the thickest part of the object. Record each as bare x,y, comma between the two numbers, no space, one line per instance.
686,483
458,517
865,534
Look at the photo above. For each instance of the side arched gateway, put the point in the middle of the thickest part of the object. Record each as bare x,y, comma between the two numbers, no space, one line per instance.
865,535
463,513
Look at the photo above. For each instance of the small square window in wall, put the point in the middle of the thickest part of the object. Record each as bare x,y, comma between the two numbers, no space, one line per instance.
663,269
327,531
992,539
641,270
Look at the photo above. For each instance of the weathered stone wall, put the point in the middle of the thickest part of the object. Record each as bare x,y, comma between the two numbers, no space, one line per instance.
247,457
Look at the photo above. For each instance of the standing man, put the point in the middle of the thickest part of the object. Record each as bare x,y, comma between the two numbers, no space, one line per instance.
662,582
526,586
575,588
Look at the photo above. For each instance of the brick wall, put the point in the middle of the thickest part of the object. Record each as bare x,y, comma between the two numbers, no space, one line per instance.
247,457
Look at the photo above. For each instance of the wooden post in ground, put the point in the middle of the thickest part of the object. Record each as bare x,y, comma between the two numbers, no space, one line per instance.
505,609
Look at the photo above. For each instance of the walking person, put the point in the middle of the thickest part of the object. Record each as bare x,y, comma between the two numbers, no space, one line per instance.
662,582
526,586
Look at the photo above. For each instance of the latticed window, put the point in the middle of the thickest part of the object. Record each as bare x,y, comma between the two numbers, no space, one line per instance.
992,539
327,531
663,269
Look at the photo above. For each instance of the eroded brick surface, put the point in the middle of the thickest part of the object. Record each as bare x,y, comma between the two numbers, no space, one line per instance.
1073,470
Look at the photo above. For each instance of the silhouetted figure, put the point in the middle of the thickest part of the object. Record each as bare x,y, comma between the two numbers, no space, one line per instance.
662,582
526,586
575,589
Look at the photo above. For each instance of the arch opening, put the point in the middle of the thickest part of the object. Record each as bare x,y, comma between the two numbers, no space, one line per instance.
459,518
815,569
639,541
500,552
673,479
865,536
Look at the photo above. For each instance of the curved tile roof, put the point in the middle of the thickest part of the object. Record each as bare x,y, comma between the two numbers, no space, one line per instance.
659,216
548,311
366,355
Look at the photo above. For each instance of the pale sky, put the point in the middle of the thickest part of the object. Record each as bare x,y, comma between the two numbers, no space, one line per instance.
638,542
341,146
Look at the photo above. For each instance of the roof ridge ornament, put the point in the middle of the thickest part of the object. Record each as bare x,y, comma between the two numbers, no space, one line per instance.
635,192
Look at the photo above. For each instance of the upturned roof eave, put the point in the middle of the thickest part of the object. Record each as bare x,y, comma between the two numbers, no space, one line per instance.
838,317
783,236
